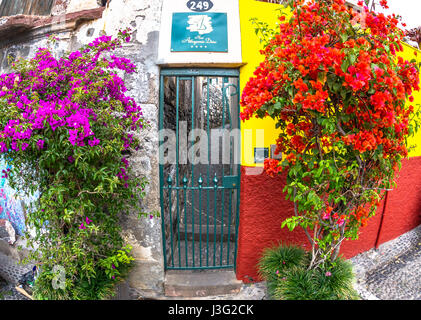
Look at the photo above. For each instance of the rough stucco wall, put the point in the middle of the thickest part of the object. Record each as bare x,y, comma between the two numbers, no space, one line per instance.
25,49
77,5
263,208
403,208
59,7
143,17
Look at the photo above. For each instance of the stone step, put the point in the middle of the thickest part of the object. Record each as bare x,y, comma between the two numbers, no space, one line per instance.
200,283
7,232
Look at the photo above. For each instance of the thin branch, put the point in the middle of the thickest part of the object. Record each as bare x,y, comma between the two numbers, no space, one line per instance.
296,214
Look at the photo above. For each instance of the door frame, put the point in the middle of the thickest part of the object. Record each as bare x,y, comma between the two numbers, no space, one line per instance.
198,72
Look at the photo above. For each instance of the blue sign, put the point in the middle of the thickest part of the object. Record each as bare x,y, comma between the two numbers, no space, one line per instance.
199,32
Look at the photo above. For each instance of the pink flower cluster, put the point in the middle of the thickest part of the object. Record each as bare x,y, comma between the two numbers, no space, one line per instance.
82,226
45,96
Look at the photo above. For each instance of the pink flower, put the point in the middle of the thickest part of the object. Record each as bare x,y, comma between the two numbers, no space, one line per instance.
93,142
24,146
82,226
328,274
40,144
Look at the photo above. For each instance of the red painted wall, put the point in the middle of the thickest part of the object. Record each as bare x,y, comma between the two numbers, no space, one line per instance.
263,208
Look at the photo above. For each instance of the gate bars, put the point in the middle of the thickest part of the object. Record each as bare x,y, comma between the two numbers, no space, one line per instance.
205,184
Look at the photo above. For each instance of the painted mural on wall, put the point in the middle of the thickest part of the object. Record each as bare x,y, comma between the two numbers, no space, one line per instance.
13,206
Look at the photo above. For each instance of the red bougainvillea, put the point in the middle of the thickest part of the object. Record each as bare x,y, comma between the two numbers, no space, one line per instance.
342,97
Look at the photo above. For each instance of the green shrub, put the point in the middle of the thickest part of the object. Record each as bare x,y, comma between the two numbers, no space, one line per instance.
337,286
285,268
276,260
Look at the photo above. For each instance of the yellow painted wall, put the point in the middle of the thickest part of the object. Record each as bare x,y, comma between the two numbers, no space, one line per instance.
408,54
251,137
261,132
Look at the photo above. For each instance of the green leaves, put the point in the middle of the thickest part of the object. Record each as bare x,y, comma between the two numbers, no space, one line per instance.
272,109
291,223
262,30
344,37
334,83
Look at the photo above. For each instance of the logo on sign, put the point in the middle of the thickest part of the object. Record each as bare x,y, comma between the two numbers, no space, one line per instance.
200,5
201,24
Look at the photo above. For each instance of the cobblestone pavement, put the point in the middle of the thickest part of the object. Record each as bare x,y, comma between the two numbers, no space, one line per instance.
393,271
10,270
10,273
8,292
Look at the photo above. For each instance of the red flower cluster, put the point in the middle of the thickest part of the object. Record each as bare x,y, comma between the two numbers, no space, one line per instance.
363,141
263,85
272,167
360,74
316,64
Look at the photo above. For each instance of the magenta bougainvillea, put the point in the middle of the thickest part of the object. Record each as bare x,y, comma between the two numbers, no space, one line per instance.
58,108
67,126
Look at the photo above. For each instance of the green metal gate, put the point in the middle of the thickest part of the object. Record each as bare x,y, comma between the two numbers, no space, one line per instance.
199,167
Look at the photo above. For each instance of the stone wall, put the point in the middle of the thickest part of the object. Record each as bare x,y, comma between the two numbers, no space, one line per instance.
75,28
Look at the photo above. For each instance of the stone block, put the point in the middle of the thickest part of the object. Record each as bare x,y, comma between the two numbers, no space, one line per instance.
7,232
203,283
